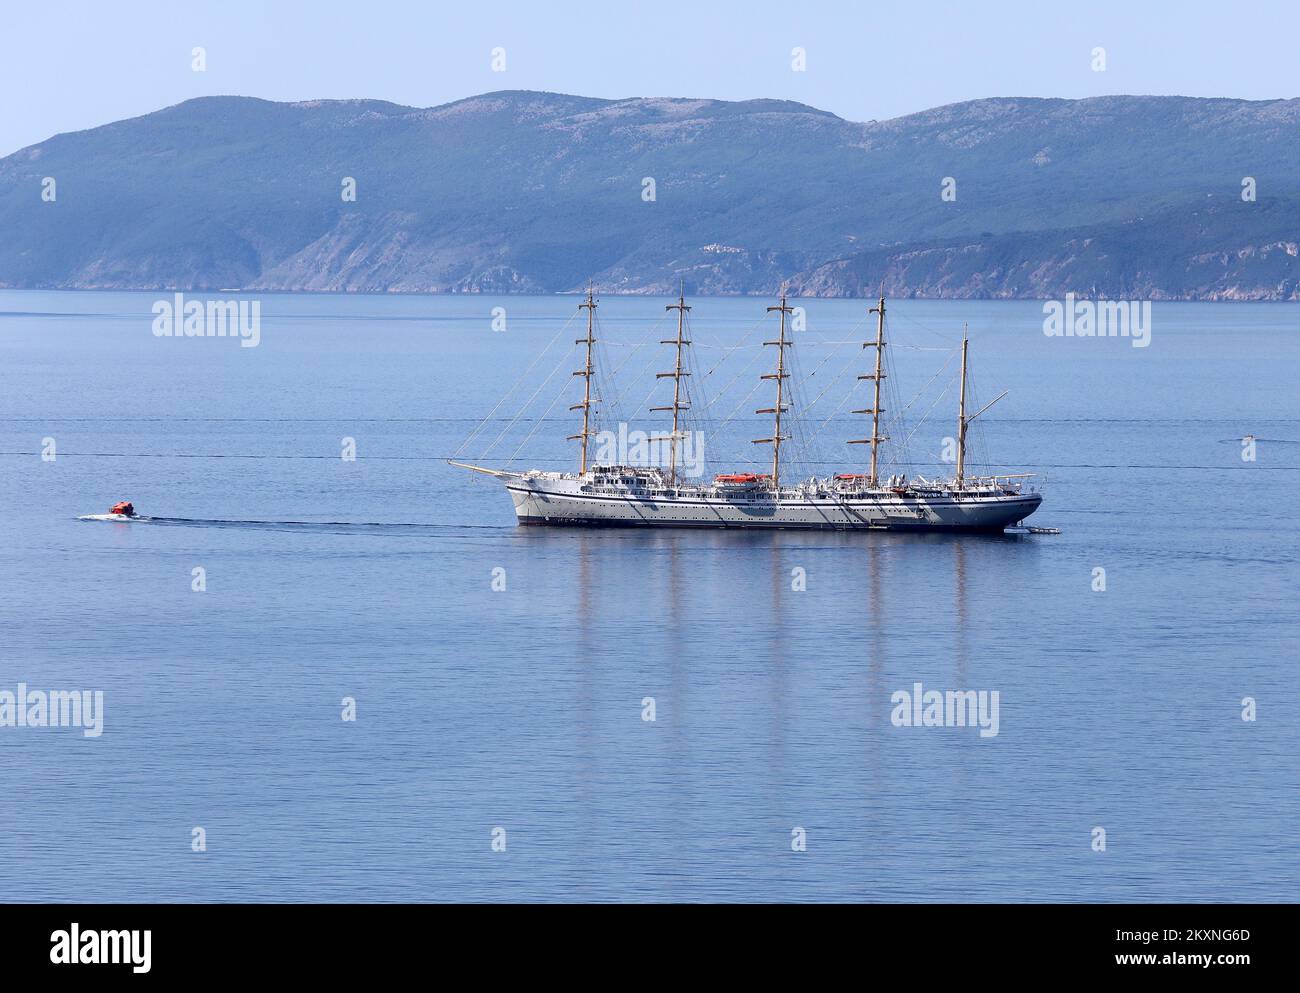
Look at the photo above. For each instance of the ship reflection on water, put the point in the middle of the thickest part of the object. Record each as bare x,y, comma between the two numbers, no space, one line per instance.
692,605
714,674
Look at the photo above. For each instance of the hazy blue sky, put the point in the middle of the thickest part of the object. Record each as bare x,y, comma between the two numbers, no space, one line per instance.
66,66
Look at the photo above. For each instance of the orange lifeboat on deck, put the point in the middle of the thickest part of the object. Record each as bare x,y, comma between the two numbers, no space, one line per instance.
739,480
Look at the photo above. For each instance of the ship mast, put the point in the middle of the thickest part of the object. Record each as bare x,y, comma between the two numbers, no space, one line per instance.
961,413
875,409
780,376
963,422
676,376
586,374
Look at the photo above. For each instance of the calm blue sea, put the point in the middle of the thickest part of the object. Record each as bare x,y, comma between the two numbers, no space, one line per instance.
522,709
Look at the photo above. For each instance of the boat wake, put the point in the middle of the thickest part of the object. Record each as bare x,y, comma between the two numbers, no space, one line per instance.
334,527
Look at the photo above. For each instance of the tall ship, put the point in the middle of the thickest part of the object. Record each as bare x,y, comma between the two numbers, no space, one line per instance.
602,494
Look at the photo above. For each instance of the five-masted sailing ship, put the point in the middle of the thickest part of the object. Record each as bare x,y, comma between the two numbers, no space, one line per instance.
658,496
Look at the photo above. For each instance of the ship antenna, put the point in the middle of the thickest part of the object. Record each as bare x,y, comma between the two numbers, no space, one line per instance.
586,373
961,412
875,408
780,376
676,376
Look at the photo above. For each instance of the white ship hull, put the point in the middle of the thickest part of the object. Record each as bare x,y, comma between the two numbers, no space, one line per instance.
557,500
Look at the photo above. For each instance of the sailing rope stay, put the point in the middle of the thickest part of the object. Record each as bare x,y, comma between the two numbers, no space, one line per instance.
540,421
650,335
566,359
925,416
497,406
